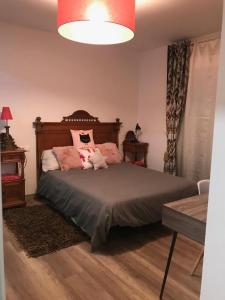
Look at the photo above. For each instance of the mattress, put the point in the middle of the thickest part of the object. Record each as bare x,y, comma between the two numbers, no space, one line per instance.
123,195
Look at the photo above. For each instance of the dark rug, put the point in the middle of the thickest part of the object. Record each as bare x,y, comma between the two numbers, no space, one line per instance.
41,230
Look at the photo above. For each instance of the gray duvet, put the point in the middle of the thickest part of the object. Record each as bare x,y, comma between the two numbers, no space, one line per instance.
124,195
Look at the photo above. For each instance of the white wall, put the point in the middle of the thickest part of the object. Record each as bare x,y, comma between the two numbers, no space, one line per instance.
214,258
152,104
42,74
2,275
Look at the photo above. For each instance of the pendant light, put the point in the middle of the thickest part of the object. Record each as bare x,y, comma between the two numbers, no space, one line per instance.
100,22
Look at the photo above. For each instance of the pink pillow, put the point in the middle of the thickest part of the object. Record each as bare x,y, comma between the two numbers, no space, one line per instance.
83,139
111,152
68,157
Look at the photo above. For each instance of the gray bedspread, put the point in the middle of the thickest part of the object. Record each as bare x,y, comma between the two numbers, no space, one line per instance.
124,195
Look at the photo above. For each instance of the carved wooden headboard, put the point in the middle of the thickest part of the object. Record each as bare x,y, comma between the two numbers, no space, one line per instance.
53,134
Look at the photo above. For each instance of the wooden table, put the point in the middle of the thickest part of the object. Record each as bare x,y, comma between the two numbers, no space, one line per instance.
188,217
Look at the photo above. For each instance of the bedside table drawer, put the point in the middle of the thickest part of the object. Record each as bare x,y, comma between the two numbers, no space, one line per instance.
13,193
129,147
135,147
12,157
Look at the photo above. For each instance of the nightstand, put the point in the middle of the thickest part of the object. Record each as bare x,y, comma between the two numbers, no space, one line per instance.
13,182
136,149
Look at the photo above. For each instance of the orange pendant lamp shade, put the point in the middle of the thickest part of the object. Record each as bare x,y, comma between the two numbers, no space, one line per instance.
100,22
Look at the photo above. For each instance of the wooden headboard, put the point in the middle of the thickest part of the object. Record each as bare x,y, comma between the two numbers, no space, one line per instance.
53,134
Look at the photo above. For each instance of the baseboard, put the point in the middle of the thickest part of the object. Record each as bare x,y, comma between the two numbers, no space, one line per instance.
30,197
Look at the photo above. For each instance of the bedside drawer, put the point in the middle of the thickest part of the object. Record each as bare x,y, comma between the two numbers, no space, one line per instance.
13,193
136,147
12,157
129,147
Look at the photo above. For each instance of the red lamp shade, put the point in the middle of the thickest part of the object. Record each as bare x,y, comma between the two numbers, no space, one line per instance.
101,22
6,114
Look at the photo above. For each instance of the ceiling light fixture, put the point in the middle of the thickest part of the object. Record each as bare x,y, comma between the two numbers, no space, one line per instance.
100,22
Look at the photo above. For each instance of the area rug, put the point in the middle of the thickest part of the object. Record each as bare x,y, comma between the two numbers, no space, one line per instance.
41,230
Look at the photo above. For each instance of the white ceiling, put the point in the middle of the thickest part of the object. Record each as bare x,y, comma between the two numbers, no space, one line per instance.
157,21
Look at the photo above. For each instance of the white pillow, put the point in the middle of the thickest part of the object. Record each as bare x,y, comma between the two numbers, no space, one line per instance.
49,161
98,160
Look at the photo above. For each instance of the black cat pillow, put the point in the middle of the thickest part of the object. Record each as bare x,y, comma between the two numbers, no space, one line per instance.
83,139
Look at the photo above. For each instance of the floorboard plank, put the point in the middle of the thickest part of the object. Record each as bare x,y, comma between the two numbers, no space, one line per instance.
129,267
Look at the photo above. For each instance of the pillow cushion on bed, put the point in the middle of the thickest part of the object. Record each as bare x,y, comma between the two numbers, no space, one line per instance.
111,152
49,161
98,160
68,157
85,155
83,139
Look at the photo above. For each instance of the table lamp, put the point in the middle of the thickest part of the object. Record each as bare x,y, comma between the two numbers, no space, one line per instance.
137,131
7,142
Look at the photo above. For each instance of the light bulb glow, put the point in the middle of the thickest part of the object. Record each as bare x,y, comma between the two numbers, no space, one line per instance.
97,12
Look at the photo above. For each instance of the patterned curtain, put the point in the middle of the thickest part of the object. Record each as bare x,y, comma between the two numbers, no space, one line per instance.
177,83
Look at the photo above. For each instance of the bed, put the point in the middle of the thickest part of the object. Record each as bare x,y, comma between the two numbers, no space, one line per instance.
122,195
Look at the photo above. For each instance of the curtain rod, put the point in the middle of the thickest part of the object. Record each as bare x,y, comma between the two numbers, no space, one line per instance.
204,41
199,41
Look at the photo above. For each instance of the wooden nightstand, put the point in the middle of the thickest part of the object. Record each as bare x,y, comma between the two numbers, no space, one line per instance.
13,184
136,149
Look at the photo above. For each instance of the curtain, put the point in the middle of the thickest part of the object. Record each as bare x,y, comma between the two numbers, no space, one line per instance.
177,82
195,142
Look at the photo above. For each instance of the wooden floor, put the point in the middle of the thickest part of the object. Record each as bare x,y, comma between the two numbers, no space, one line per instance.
130,267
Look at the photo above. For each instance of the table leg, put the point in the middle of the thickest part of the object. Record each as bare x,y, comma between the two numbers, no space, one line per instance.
197,262
168,263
